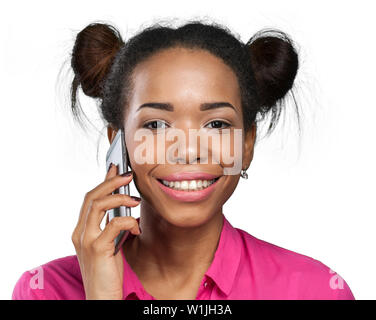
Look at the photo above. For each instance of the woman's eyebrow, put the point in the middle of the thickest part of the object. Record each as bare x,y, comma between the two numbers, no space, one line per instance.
215,105
169,107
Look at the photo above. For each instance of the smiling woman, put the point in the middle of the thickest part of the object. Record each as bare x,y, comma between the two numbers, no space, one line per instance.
195,77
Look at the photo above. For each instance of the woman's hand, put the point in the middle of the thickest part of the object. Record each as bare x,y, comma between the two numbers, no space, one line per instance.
102,272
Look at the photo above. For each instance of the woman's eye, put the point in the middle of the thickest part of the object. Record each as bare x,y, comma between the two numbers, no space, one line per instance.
156,124
218,124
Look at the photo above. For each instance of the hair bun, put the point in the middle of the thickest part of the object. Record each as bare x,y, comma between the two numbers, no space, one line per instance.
275,64
93,52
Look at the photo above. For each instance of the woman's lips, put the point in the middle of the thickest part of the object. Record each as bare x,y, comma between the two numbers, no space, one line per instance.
178,176
189,196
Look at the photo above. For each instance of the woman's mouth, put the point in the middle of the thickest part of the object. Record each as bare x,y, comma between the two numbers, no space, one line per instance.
189,188
188,185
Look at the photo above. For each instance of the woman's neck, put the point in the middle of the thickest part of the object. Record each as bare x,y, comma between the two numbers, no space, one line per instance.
169,252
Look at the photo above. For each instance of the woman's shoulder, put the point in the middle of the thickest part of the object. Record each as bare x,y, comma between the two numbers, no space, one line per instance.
59,279
311,277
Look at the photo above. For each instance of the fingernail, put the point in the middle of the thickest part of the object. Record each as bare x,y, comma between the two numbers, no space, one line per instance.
136,198
126,174
111,164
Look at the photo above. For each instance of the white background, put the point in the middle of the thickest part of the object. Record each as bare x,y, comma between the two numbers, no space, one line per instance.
313,195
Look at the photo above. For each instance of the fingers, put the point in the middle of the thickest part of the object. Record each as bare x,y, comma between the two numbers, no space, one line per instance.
112,182
111,172
113,228
98,209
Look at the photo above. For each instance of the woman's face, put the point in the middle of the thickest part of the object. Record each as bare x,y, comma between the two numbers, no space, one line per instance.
185,80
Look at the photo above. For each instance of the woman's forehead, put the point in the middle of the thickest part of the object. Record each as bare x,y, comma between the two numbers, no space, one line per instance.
184,75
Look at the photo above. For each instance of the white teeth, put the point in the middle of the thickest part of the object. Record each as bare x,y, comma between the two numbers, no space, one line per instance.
192,185
188,185
184,185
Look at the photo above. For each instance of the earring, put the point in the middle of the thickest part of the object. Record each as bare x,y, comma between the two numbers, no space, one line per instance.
243,174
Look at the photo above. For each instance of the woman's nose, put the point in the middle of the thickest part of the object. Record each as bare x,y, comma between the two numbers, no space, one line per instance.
190,148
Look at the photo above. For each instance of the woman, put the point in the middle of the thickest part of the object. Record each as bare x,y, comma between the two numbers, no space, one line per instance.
198,76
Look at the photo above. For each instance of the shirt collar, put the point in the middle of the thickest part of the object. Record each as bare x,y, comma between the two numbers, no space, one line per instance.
226,258
222,269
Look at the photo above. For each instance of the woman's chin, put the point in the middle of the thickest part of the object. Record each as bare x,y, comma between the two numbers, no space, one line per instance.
186,218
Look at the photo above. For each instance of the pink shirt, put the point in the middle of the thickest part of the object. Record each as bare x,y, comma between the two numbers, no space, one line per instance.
244,267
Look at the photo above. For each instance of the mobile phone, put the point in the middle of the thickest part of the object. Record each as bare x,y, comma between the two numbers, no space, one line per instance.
117,154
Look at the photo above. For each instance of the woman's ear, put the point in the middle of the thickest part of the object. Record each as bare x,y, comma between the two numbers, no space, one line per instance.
249,144
111,133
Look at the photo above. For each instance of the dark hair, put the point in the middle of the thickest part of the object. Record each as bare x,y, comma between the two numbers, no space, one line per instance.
265,66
